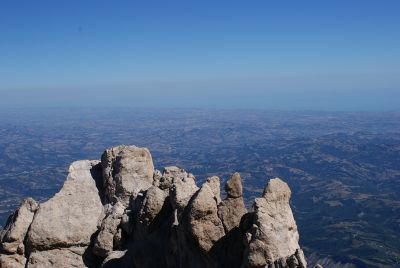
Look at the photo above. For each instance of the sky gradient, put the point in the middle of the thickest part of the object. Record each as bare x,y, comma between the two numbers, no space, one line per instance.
323,55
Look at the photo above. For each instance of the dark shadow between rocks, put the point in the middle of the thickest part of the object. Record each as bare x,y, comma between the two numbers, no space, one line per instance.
124,262
229,250
97,175
89,259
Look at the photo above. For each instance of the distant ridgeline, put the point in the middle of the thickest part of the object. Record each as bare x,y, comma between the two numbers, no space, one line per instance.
121,212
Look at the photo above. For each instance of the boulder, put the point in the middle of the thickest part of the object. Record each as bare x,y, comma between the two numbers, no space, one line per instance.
12,261
104,242
233,186
127,170
205,226
71,216
182,187
14,233
150,205
215,186
232,209
71,257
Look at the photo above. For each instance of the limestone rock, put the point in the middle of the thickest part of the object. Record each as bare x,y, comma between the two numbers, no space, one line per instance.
182,187
232,209
156,177
205,226
71,216
57,258
214,184
233,186
12,261
125,169
15,231
123,212
300,257
151,205
274,235
105,239
173,174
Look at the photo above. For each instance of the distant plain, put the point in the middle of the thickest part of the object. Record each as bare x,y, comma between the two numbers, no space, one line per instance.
343,167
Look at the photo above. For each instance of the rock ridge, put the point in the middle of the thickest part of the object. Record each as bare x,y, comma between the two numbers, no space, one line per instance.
121,212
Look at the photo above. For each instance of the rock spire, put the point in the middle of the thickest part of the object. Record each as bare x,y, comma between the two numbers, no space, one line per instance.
121,212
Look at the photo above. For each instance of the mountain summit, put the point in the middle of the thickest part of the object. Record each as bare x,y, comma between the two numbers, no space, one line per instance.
121,212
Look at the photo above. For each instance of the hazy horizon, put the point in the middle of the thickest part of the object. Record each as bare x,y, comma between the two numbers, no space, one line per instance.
314,55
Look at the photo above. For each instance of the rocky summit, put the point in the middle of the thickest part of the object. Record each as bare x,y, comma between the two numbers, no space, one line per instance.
121,212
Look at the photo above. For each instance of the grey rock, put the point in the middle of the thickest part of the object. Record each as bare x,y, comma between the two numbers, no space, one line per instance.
231,211
233,186
173,174
71,216
274,234
127,170
14,233
214,184
150,205
182,188
205,226
156,177
71,257
12,261
131,215
104,242
300,257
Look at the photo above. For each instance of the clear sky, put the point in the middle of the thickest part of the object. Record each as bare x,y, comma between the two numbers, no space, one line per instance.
335,55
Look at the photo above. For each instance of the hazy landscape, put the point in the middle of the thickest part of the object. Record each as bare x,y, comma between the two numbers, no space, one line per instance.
341,166
306,91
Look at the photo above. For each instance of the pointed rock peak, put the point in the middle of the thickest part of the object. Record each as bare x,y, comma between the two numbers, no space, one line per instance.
214,183
13,235
277,190
233,186
205,226
125,212
273,239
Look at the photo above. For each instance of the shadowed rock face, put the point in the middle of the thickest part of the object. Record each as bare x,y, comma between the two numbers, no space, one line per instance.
120,212
232,208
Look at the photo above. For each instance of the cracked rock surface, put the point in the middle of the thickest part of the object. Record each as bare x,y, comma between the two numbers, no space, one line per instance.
121,212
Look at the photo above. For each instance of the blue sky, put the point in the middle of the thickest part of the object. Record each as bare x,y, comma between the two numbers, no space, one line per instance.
335,55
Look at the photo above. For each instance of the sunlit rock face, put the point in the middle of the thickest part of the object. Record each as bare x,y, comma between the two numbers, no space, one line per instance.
121,212
273,239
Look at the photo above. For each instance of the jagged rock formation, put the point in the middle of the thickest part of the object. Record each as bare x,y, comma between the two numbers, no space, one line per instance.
120,212
232,208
